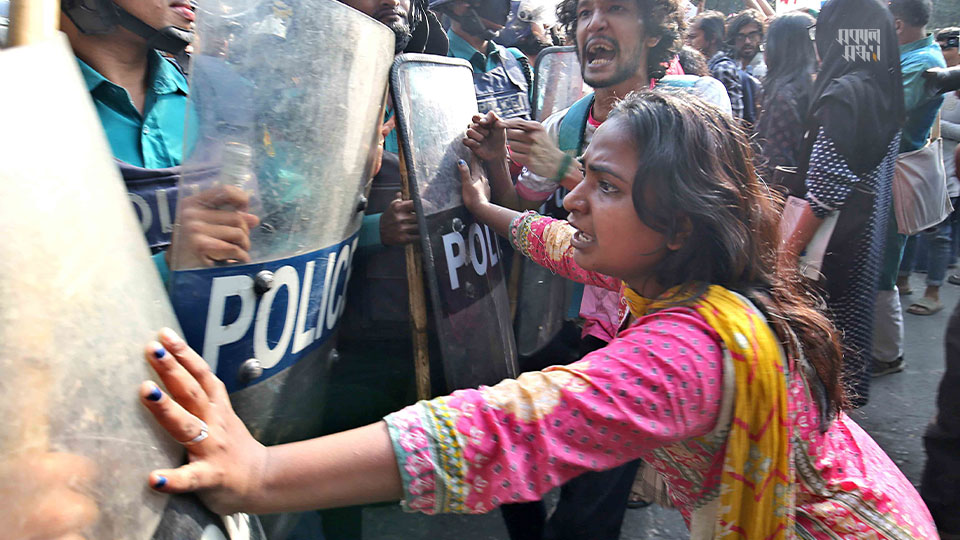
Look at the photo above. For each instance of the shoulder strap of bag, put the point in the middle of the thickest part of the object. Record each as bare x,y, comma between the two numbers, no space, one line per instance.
573,125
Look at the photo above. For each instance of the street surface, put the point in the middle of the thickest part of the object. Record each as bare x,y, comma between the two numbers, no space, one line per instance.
900,406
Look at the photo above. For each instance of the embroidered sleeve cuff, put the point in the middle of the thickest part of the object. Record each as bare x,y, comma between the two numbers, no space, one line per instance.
520,231
414,459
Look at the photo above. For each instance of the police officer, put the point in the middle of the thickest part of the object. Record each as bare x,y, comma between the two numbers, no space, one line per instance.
502,77
124,50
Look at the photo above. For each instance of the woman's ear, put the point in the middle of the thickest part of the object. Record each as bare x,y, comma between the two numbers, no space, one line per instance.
684,229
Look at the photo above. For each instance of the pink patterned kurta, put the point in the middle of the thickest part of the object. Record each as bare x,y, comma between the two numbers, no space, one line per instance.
660,391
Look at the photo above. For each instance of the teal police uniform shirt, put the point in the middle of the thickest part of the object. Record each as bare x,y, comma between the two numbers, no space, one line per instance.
481,62
154,139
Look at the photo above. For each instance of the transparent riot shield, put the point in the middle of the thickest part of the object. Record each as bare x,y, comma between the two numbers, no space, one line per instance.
544,298
435,102
557,81
79,298
286,102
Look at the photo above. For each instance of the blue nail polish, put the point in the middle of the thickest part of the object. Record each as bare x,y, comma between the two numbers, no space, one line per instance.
159,352
155,394
161,481
461,162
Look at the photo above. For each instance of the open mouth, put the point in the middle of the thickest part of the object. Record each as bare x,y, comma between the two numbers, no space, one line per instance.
582,238
579,239
185,10
600,52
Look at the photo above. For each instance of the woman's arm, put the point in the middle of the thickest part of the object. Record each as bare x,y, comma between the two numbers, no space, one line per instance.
232,472
762,6
545,241
468,452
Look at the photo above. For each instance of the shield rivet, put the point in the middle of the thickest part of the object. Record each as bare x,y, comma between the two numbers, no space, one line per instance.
457,224
361,204
263,282
250,370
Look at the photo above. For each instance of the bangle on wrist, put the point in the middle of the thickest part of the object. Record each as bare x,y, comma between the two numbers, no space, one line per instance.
564,167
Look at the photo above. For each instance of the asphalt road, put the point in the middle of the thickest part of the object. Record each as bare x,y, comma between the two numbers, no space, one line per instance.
900,406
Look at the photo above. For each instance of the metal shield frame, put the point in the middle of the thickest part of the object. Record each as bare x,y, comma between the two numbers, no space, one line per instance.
79,295
562,87
462,260
316,103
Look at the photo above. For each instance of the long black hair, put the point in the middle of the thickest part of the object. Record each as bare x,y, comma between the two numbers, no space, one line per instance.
791,58
695,183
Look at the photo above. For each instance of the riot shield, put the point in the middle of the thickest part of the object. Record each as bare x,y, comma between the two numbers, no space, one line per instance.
299,138
557,81
542,304
435,101
79,297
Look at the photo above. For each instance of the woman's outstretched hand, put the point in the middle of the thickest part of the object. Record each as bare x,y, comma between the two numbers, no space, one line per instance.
474,186
226,464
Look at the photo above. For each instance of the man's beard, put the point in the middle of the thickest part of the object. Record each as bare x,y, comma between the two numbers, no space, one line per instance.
625,72
403,34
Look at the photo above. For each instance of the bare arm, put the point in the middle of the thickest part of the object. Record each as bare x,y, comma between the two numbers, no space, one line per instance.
792,245
488,141
232,472
476,197
762,6
345,469
503,192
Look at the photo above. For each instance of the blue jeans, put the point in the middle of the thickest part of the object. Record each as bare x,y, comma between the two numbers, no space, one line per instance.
939,243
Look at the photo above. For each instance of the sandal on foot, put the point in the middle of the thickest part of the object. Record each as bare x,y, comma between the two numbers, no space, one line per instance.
925,306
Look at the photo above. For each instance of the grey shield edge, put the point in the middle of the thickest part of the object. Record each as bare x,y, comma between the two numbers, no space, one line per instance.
80,299
435,102
557,81
287,110
543,300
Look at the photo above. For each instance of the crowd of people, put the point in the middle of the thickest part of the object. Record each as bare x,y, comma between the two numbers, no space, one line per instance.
711,353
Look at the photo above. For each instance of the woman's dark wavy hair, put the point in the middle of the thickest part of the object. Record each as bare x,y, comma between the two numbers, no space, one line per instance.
696,183
791,57
661,18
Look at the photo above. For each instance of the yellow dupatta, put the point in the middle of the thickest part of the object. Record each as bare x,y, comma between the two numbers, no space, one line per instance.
757,489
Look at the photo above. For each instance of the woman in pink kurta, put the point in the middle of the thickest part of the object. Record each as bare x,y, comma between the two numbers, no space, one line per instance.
725,380
656,392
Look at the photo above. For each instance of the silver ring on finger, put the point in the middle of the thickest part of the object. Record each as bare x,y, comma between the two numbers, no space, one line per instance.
204,433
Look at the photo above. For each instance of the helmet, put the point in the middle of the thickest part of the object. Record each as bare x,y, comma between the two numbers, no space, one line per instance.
495,11
103,17
519,31
537,11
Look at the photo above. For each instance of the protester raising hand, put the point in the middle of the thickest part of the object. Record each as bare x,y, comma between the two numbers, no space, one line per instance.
532,146
487,137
